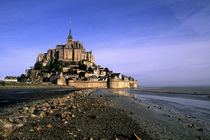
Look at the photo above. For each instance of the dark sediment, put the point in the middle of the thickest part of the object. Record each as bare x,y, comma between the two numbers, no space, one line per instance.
78,115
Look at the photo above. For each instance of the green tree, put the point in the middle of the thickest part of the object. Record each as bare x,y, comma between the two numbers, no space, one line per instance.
106,69
22,78
38,66
82,74
90,70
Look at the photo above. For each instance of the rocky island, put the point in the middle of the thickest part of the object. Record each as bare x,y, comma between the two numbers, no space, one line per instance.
72,65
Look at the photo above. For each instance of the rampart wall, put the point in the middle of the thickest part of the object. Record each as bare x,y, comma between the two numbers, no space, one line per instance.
88,84
114,83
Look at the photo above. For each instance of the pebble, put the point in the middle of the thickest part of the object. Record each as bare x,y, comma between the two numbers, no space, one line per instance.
31,130
149,107
5,124
200,129
49,126
136,137
5,132
192,125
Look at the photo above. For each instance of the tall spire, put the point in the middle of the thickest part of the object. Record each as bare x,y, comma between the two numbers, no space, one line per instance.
70,35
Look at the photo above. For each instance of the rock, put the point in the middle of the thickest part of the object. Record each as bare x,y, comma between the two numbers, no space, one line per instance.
11,119
31,109
71,133
200,129
131,113
5,124
124,110
38,128
51,111
169,116
65,122
73,116
33,116
25,108
52,107
31,130
1,126
42,114
49,126
192,125
136,137
149,107
19,123
5,133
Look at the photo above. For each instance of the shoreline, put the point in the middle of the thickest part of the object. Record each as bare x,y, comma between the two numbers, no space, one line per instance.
95,113
158,122
78,115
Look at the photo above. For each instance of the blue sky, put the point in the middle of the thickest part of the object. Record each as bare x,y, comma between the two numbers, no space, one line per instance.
158,42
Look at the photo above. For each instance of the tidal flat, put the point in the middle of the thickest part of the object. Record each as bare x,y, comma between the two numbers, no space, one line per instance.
97,114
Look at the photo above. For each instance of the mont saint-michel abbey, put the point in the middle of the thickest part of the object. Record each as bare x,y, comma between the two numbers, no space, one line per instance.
71,65
73,51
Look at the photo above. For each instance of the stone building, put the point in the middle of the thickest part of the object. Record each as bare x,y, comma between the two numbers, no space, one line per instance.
82,72
72,51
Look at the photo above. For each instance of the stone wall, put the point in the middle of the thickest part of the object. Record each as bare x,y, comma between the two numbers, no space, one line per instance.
88,84
115,83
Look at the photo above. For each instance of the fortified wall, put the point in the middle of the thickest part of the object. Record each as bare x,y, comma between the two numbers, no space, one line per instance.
103,84
88,84
115,83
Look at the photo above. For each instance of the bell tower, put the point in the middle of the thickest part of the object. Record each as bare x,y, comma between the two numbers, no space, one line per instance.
70,38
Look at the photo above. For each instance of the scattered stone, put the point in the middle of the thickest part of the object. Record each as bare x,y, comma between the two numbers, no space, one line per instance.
33,116
5,124
49,126
169,116
71,133
38,128
73,116
31,130
131,113
124,110
5,133
192,125
200,129
136,137
42,114
149,107
51,112
20,133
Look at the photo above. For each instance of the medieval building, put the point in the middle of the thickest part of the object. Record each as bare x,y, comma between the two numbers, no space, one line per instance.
72,51
81,72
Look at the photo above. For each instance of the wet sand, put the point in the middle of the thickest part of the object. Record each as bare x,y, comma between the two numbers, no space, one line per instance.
158,122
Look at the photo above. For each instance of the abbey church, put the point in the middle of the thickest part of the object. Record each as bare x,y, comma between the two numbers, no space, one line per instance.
73,51
71,65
